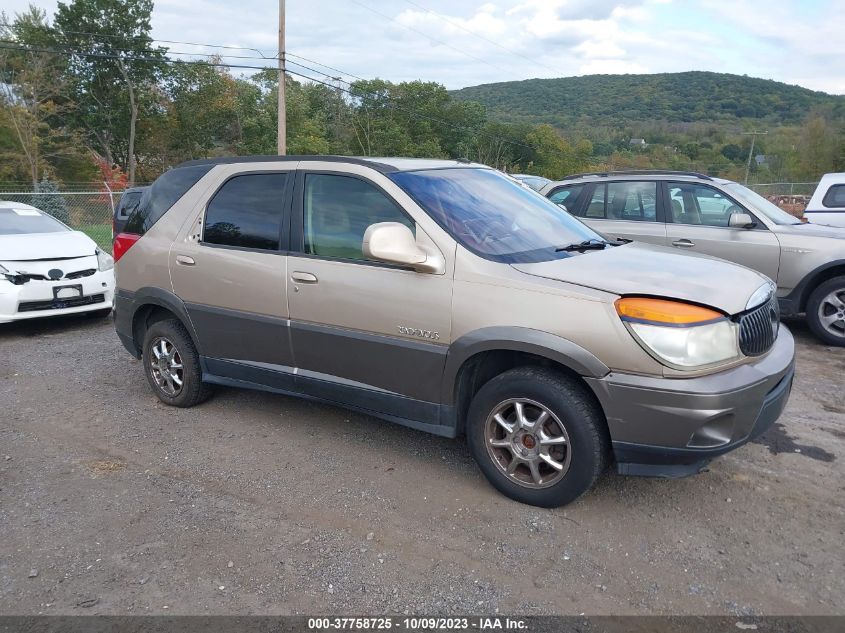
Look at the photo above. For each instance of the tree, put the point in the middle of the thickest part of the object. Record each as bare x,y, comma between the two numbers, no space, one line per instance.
554,156
818,147
48,199
732,151
114,66
33,94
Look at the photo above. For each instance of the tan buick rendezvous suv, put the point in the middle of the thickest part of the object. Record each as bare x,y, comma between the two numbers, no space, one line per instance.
446,297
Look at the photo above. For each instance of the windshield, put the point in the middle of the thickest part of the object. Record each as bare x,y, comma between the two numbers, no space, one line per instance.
493,216
759,204
18,221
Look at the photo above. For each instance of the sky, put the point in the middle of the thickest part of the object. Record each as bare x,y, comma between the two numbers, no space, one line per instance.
468,42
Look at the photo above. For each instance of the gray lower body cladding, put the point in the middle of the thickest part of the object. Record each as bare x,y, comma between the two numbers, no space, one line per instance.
658,426
673,427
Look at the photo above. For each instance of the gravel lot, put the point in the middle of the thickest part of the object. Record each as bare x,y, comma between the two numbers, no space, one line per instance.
256,503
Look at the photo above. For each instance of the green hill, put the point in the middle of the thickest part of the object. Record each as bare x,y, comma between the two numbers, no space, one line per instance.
615,100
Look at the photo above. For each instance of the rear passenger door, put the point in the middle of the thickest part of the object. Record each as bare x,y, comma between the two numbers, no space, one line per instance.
228,265
628,210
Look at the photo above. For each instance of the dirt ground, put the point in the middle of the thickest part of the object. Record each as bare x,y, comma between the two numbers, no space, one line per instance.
255,503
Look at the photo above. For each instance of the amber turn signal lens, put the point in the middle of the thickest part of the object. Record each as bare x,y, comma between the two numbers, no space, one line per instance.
664,311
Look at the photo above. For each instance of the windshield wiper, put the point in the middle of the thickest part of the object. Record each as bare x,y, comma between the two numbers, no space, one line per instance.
586,245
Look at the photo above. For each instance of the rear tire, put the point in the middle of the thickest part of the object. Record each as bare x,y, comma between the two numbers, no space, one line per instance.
538,436
172,366
826,311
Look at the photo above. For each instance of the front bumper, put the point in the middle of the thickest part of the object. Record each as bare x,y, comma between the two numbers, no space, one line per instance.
35,299
672,427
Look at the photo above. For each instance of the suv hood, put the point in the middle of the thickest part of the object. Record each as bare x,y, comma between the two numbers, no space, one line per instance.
643,269
32,246
811,230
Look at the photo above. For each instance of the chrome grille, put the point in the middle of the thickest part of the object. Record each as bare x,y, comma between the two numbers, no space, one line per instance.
758,328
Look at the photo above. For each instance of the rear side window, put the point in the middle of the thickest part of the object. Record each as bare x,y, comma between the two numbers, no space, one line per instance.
162,195
596,208
567,196
338,210
632,201
835,197
246,212
128,204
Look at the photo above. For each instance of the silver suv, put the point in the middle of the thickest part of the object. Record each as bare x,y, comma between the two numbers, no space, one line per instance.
712,216
446,297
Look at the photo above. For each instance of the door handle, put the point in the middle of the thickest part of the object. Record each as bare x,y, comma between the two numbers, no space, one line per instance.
683,243
303,278
185,260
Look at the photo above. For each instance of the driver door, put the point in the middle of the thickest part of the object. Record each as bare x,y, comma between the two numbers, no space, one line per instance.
698,222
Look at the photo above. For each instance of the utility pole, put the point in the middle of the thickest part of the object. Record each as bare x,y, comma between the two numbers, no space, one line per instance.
753,136
283,131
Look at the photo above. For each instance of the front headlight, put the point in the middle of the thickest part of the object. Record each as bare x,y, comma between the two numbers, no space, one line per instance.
104,260
680,334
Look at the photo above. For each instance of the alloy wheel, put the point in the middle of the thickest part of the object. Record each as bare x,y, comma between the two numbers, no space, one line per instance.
166,368
528,443
832,313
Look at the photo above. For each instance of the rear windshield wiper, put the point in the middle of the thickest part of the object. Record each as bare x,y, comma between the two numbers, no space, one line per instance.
586,245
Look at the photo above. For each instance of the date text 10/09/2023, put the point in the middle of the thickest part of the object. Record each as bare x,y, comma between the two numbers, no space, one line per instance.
417,624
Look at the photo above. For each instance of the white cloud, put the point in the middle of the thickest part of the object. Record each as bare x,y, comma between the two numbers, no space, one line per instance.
482,41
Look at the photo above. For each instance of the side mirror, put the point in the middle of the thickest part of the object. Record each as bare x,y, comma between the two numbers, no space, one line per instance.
394,243
741,221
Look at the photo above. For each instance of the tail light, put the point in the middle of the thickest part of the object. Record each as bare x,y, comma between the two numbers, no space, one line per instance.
122,243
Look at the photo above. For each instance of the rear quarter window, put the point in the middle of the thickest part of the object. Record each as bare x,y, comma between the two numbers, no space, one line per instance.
162,195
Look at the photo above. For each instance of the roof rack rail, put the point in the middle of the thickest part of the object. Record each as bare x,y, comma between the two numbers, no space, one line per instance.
640,172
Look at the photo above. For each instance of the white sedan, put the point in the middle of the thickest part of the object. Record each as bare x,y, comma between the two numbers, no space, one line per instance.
48,269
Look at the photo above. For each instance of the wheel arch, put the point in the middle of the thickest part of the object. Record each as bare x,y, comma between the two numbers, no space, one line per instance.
479,356
156,304
817,277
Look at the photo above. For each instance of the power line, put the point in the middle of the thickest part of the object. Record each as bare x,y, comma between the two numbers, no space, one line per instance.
130,38
6,44
337,70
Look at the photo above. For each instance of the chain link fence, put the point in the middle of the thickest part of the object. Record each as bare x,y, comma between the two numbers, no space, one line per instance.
792,197
785,188
81,207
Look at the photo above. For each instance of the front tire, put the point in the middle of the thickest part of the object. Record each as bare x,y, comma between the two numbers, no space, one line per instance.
171,364
538,436
826,311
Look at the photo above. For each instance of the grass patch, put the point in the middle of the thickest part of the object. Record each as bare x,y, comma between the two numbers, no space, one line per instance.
100,233
106,467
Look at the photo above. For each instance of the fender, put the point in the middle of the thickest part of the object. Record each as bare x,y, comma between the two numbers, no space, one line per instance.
796,301
520,339
128,303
